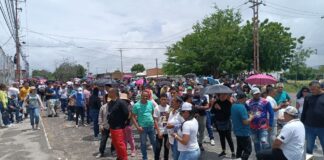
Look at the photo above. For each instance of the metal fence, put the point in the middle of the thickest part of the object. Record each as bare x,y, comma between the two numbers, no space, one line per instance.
7,68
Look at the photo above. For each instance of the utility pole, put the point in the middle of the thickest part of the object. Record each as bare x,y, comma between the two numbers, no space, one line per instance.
121,60
157,68
88,67
256,58
17,43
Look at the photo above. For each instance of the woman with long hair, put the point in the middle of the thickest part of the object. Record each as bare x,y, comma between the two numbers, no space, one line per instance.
174,122
300,99
34,104
223,123
187,135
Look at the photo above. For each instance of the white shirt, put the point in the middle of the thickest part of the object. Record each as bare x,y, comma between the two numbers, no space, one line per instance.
161,113
292,136
300,101
176,120
189,128
13,91
273,105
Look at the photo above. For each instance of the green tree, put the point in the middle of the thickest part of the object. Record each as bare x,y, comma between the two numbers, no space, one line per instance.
298,69
210,48
42,73
221,42
136,68
68,70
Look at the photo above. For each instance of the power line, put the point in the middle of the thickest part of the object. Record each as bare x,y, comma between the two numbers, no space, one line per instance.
294,9
293,12
94,39
286,15
6,42
8,23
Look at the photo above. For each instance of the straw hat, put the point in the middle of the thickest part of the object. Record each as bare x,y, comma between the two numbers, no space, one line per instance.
124,96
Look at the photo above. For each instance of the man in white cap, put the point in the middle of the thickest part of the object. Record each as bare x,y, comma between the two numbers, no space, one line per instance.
80,102
289,145
261,109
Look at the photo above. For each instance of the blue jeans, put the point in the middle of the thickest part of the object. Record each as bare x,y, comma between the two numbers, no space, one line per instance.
260,139
175,152
34,115
94,115
311,134
64,103
5,115
147,131
209,125
189,155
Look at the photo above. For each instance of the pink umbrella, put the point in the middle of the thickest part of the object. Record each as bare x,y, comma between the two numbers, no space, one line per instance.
261,79
139,82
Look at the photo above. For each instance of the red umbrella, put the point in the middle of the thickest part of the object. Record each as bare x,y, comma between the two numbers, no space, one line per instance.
261,79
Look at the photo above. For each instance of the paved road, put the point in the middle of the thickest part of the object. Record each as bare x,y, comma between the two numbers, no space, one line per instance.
21,143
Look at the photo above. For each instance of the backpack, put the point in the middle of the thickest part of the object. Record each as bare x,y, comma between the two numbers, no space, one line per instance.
79,99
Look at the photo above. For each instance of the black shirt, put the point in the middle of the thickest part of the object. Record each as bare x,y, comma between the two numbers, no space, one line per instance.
224,113
198,101
313,111
117,114
95,102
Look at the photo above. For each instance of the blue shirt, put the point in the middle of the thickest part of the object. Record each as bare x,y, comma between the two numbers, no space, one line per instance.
281,97
238,114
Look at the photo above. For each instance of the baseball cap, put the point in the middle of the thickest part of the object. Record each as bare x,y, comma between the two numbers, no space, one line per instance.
291,111
79,89
186,106
189,88
255,90
32,87
240,95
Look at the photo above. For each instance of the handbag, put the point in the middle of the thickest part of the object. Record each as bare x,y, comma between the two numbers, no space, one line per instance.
72,102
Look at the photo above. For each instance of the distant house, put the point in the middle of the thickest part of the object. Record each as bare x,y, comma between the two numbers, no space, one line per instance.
154,72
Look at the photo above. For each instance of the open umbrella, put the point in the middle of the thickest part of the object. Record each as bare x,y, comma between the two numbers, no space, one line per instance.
217,88
190,75
261,79
165,83
139,82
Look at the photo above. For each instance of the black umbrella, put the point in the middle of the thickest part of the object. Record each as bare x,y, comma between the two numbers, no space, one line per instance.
190,75
217,88
164,83
102,82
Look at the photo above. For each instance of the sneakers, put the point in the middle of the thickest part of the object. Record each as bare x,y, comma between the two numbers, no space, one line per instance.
222,154
76,126
201,147
212,142
99,155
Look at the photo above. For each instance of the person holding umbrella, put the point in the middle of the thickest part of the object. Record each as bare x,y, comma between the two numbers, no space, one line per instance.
222,111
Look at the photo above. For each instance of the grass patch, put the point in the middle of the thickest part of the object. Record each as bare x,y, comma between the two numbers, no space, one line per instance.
294,86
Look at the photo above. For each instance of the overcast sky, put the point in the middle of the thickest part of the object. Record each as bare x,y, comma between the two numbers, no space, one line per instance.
94,30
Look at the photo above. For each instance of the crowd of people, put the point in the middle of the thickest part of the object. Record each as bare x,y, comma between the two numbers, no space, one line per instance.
176,116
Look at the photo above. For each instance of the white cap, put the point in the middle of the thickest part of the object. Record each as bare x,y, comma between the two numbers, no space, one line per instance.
79,89
186,106
291,111
255,90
